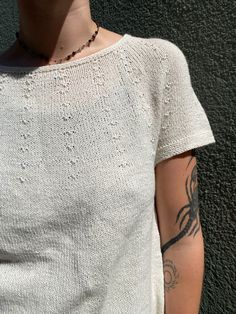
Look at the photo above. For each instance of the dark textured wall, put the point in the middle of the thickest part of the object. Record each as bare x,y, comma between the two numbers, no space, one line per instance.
204,31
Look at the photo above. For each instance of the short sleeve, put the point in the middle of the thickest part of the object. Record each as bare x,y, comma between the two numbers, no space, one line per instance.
184,124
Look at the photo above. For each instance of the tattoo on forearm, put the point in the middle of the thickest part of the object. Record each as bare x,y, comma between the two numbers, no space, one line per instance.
171,275
192,213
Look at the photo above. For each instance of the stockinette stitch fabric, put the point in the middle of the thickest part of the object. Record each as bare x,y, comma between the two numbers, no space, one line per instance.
79,142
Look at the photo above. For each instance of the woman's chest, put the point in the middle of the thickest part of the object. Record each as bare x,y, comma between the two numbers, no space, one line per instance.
76,154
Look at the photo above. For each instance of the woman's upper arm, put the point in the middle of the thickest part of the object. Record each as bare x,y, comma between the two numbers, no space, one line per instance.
177,199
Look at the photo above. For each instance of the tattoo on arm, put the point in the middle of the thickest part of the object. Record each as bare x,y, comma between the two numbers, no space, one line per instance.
190,211
171,275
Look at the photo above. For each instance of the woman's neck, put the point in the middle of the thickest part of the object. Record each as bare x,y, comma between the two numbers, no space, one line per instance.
55,28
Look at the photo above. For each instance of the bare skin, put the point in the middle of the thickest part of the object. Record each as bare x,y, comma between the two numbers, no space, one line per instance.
55,28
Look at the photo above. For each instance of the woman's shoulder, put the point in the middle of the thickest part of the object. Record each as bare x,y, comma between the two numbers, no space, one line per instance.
162,47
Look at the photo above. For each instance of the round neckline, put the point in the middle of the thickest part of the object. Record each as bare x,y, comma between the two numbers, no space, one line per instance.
68,64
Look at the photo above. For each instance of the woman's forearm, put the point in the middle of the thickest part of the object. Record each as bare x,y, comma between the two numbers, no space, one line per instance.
183,266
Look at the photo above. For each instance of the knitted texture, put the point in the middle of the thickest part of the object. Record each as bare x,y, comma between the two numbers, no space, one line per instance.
79,142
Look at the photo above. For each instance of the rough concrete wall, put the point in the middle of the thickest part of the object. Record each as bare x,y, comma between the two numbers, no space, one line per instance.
204,31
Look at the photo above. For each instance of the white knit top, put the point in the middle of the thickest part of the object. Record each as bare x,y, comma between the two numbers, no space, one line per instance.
79,142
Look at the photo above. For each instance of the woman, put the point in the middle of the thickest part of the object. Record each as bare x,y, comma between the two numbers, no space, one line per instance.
99,203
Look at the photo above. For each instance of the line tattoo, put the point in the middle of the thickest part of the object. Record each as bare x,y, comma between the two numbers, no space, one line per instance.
171,275
192,214
193,153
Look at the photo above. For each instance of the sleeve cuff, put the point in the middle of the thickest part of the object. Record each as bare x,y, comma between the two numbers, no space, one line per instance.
181,145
